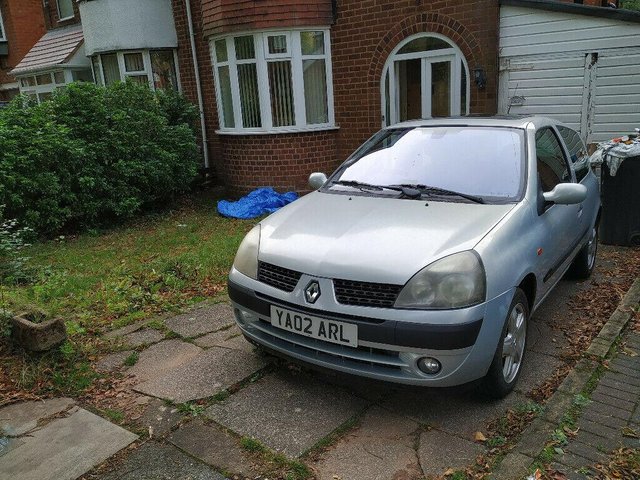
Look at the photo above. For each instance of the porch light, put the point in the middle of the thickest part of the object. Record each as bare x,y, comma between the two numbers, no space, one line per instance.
480,77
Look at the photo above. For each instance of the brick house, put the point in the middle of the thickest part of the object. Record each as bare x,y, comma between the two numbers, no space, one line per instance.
21,25
285,87
302,83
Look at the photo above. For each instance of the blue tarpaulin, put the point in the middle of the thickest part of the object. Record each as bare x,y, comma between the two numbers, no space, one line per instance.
256,203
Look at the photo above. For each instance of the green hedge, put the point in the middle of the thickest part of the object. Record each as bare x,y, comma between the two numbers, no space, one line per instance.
92,157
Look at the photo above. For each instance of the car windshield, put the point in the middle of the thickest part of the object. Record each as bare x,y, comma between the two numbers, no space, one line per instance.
484,162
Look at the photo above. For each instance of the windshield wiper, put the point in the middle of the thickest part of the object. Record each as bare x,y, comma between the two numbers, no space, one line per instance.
422,189
366,186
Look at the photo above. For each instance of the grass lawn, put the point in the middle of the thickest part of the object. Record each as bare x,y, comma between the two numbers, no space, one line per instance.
105,280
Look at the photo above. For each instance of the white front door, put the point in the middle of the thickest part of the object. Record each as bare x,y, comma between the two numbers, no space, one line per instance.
424,84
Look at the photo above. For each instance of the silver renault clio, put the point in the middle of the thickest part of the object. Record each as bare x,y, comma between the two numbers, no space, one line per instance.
421,259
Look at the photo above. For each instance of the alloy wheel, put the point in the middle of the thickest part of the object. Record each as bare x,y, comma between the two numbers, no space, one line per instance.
514,342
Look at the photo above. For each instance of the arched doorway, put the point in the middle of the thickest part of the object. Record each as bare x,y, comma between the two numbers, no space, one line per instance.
425,76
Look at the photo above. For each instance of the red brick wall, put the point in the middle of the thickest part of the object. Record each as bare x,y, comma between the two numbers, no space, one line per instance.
53,18
187,75
24,25
221,16
362,38
283,161
367,31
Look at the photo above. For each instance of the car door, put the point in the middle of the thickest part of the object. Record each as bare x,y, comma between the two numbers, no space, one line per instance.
579,160
559,223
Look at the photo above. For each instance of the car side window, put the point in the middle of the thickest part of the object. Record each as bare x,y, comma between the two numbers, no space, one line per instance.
577,151
552,165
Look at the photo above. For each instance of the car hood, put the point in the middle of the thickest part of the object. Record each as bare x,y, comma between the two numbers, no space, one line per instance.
375,239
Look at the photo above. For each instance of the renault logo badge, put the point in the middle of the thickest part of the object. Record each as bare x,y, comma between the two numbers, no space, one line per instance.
312,292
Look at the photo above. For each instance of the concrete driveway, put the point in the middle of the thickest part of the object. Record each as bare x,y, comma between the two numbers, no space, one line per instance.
341,427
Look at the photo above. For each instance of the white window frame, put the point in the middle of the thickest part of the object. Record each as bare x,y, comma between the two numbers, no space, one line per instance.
3,34
452,54
40,89
60,17
148,70
262,57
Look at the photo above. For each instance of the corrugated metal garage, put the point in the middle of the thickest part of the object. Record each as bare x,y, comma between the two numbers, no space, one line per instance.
578,64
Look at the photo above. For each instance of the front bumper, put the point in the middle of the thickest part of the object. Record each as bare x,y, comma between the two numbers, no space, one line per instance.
390,341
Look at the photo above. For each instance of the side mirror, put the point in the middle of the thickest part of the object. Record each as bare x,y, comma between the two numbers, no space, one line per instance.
317,180
566,194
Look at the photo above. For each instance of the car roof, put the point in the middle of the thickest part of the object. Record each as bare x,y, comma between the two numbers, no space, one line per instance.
510,121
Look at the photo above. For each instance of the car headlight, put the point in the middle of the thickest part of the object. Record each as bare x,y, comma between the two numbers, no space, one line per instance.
246,260
455,281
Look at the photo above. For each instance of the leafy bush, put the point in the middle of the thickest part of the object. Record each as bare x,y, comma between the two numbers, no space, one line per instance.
93,156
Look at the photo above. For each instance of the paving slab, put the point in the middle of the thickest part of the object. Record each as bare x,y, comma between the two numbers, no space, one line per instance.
460,414
536,369
145,336
287,412
202,320
205,374
162,358
542,338
382,447
122,331
214,446
71,445
112,361
20,418
155,461
227,338
439,451
158,418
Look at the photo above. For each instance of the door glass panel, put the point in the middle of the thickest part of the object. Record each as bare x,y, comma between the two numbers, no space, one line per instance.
409,89
424,44
441,89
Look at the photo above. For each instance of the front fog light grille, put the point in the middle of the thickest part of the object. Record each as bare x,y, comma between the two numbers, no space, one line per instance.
365,294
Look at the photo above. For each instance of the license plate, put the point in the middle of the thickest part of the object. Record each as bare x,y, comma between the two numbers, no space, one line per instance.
314,327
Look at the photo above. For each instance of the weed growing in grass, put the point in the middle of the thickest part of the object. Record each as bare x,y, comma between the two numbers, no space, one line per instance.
190,408
291,469
132,359
459,475
114,415
496,441
251,445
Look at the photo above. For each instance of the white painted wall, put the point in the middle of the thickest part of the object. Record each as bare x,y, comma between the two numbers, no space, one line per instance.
110,25
581,70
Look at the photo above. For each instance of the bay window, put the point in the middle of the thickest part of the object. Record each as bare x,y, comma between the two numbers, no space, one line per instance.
156,68
39,87
273,81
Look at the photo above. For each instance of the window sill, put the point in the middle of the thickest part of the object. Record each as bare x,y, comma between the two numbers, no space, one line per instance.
279,131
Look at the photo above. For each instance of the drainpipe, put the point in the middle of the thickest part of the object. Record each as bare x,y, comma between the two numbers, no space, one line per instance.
196,70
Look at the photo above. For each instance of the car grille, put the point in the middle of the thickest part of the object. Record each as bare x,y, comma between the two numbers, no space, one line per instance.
366,294
278,277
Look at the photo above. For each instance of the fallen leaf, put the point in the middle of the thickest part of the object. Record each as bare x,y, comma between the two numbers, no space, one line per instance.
558,450
630,432
448,472
479,436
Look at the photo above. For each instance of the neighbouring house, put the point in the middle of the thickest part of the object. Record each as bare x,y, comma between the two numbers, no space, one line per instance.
575,63
58,57
288,87
21,25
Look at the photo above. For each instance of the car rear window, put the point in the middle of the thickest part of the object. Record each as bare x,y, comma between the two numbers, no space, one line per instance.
481,161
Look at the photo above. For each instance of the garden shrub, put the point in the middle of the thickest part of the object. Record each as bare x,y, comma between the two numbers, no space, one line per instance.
92,156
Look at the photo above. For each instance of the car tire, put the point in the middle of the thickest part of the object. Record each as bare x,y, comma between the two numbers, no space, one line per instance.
585,260
506,366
